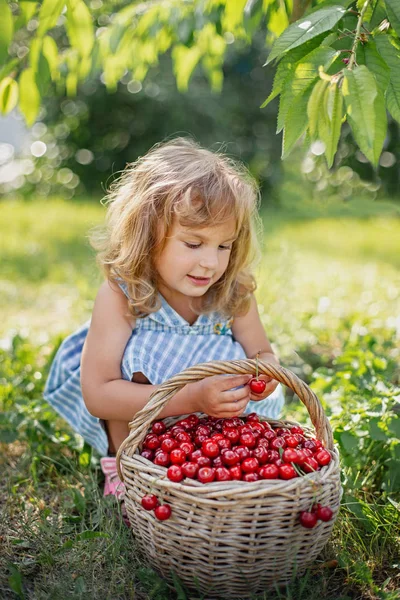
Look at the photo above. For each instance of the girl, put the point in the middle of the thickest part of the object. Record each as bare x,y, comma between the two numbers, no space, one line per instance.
176,253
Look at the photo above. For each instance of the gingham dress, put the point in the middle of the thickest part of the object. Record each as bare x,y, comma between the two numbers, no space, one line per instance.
161,345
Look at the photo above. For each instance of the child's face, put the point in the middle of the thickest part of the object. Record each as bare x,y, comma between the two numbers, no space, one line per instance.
192,260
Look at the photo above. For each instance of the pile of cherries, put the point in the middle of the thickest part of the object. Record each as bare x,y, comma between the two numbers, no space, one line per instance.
241,448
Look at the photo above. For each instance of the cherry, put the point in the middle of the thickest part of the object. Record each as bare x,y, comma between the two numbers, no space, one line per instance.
232,434
250,465
278,442
161,459
310,465
189,469
206,474
269,434
203,461
217,461
236,472
169,444
291,441
261,454
149,454
287,472
224,443
222,474
177,456
323,457
290,455
250,477
230,457
324,513
296,429
158,427
182,436
151,441
269,472
162,512
175,473
149,502
248,439
308,519
257,386
210,448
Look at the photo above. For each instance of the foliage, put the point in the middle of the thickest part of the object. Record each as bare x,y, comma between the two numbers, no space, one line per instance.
61,43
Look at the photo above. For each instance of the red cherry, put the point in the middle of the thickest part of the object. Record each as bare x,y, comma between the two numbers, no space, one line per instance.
278,442
253,416
210,448
257,386
250,477
248,439
230,457
149,502
250,465
323,457
177,456
182,436
203,461
175,473
169,444
291,441
189,469
158,427
224,443
296,429
269,435
308,519
231,434
161,459
236,472
222,474
243,452
310,444
290,455
324,513
151,441
261,454
310,465
287,472
149,454
273,455
162,512
269,472
206,474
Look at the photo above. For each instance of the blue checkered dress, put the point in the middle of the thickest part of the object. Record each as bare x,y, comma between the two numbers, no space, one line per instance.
161,345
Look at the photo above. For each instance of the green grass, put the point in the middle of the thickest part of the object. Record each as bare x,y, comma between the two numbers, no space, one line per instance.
329,293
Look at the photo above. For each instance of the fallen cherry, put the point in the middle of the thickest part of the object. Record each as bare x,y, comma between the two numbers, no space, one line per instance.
162,512
324,513
149,502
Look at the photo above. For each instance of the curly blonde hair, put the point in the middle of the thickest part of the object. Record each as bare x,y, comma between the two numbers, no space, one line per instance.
178,178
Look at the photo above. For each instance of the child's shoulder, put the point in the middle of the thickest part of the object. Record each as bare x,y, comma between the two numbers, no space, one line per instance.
112,302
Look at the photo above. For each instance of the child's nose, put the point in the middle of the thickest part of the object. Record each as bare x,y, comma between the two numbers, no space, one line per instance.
209,259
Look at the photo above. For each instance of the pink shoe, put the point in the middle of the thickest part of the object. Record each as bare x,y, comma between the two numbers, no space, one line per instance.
113,485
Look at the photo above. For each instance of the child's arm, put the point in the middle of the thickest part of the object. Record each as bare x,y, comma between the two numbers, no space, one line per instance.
108,396
248,330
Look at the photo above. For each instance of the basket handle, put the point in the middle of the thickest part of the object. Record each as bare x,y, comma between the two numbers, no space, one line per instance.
149,413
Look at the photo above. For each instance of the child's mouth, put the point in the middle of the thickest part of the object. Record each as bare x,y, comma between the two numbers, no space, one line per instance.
199,280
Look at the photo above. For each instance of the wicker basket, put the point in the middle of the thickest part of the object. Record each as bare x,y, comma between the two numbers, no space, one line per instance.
229,539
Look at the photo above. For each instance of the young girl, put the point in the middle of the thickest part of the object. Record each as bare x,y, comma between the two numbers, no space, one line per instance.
176,252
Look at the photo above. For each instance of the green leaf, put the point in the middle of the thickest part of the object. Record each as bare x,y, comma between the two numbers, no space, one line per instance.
391,55
79,27
8,95
378,14
314,107
286,65
305,29
29,96
50,52
185,61
6,29
375,432
333,112
393,11
305,72
15,582
394,427
296,122
48,15
8,67
368,55
26,12
365,111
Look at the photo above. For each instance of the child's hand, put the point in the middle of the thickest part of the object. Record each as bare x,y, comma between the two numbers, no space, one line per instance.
269,388
214,395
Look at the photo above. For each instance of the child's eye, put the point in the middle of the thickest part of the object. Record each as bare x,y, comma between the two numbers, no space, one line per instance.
226,247
192,245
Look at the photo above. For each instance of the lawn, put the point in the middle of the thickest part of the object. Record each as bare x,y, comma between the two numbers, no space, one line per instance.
329,294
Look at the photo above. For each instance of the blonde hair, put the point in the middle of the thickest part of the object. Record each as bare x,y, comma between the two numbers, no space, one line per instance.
201,188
